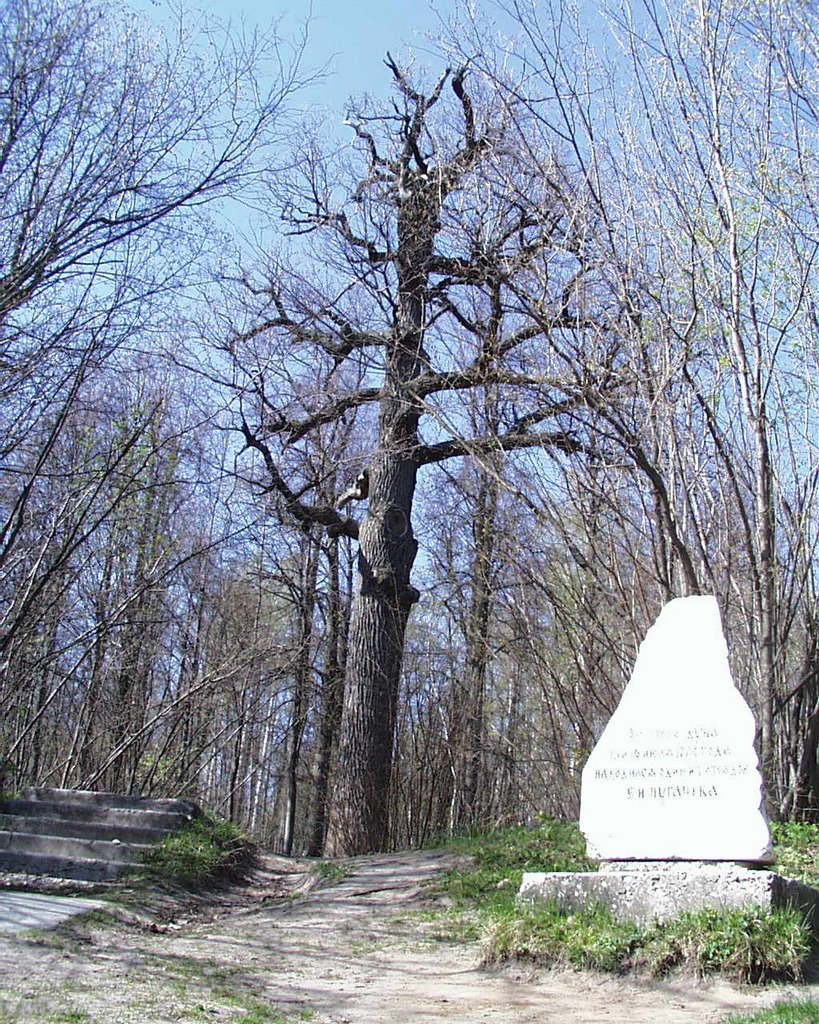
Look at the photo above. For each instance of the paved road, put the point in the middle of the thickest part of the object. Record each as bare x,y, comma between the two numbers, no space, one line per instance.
23,911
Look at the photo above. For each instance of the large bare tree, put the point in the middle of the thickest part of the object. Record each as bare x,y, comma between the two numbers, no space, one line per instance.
443,263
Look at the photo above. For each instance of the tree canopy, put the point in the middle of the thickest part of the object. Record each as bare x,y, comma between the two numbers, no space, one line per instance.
354,537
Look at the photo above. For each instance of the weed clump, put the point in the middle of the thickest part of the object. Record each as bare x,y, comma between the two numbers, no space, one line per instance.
796,847
589,938
498,859
748,945
206,852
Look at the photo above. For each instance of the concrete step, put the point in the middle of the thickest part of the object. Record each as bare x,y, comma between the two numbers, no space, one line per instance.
83,868
36,825
79,834
120,801
73,849
129,817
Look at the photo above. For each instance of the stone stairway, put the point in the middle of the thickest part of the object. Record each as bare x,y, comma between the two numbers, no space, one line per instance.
69,833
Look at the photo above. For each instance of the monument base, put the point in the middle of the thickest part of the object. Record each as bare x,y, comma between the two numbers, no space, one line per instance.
644,891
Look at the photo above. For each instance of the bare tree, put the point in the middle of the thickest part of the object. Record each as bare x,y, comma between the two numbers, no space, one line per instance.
727,130
698,138
441,229
113,141
107,137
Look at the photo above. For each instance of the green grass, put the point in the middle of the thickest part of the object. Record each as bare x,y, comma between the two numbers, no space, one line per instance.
751,945
8,1016
796,848
205,852
261,1014
499,858
783,1013
330,871
68,1017
546,935
204,988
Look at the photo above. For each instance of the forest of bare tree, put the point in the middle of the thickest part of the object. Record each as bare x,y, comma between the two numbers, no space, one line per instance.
351,532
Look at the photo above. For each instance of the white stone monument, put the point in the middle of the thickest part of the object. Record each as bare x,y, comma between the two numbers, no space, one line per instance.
675,775
671,797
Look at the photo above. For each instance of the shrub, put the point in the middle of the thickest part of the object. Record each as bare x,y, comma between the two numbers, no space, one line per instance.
206,851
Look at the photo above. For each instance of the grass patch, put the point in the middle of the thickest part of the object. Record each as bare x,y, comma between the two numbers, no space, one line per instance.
498,859
796,848
589,938
207,851
207,989
750,945
486,882
783,1013
331,871
451,925
261,1014
8,1016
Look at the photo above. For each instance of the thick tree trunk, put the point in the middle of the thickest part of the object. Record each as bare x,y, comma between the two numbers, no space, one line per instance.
382,604
387,549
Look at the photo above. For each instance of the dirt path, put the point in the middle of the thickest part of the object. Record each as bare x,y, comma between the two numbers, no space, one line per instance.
352,952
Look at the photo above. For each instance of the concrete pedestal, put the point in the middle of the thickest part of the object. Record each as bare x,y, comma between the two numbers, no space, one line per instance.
644,891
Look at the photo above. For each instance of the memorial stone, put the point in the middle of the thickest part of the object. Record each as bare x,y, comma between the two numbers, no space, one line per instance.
671,798
675,775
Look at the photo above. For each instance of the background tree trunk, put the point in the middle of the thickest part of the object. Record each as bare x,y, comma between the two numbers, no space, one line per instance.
332,701
301,683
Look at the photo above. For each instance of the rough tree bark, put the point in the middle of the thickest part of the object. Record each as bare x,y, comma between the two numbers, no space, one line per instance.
387,547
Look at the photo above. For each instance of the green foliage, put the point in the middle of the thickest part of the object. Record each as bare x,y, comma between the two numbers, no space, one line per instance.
8,1016
796,845
546,934
782,1013
750,944
745,945
499,858
330,871
450,925
262,1014
549,846
206,852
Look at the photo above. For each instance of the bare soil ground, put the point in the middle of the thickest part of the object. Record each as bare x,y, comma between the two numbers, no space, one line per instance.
353,951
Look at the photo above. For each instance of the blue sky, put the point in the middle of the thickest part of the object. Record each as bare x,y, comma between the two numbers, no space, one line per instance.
352,35
355,35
